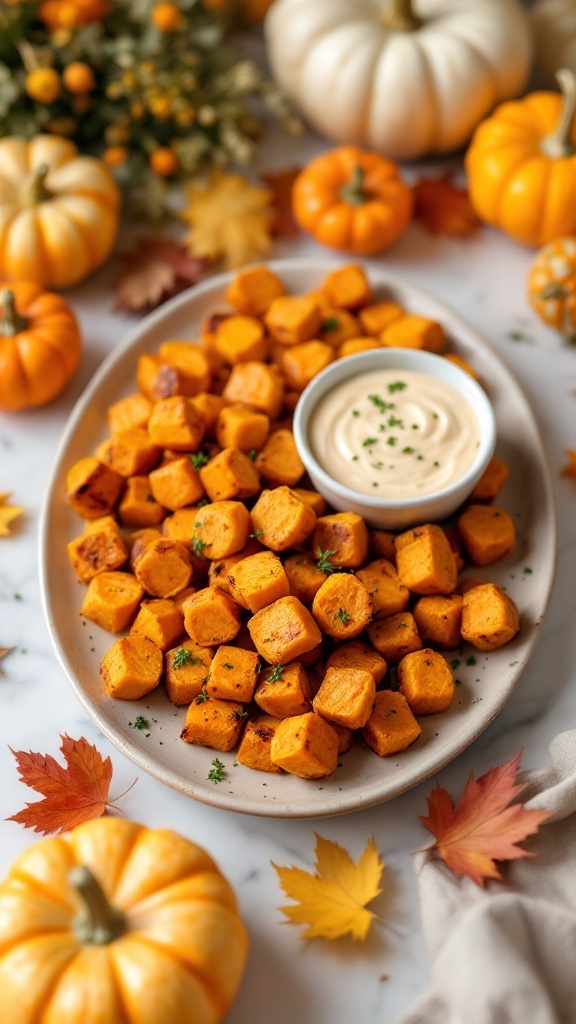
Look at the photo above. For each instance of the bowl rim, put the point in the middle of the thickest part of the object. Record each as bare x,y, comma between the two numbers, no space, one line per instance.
417,360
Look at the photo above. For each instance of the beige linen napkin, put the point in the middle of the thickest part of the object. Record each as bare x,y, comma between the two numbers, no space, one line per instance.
507,954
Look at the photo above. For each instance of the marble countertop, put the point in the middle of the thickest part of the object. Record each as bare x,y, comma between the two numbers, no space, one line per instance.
289,979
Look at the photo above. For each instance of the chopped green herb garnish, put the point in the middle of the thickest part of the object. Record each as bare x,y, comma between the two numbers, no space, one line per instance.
380,404
393,421
436,463
256,534
199,459
343,615
228,664
471,660
324,562
183,656
369,441
331,323
407,450
203,502
420,458
434,415
454,663
198,547
238,715
415,426
517,336
276,674
397,385
457,682
150,497
527,570
252,454
391,441
375,483
18,597
202,696
140,723
354,458
217,772
355,412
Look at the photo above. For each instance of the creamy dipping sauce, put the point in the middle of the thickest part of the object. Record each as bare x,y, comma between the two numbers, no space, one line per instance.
394,434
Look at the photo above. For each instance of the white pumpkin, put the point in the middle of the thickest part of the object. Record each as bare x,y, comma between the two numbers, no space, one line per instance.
403,79
554,24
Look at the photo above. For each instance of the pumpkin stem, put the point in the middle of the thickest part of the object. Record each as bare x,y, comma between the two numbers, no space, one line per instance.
98,923
400,17
33,189
11,322
559,144
354,192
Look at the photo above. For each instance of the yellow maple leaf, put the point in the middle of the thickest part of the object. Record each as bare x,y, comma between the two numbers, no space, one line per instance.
7,513
333,901
229,219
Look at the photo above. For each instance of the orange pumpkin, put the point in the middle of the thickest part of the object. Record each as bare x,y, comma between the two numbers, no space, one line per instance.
521,165
40,345
353,200
552,285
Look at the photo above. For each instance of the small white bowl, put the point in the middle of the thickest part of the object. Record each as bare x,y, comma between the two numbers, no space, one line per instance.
395,513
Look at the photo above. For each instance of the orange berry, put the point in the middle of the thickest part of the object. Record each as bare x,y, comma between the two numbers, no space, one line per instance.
167,17
164,162
161,107
115,156
43,85
79,78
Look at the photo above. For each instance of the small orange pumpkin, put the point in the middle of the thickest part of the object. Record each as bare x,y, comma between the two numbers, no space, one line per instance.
40,345
353,200
552,285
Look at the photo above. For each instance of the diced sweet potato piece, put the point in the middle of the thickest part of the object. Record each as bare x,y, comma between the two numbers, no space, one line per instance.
253,289
233,674
292,319
164,567
453,357
491,482
238,427
176,484
139,540
425,678
388,593
175,423
211,617
353,345
312,498
382,545
147,370
342,607
343,538
347,287
209,406
304,577
182,596
376,317
279,461
159,621
346,697
112,600
283,631
214,723
128,413
254,749
305,745
344,735
281,520
221,567
413,331
301,363
259,580
321,300
186,669
242,339
457,548
258,386
439,619
395,637
284,690
138,506
425,562
188,358
487,532
391,726
358,655
131,668
92,489
489,617
99,549
468,584
130,453
230,475
337,326
221,529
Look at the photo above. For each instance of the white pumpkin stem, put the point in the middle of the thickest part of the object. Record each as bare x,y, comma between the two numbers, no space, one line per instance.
400,16
559,144
11,323
33,189
98,923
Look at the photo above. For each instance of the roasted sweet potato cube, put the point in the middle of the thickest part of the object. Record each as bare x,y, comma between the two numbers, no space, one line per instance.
345,737
180,525
214,723
346,697
147,369
439,619
176,484
99,549
284,690
489,617
92,489
159,621
453,357
209,407
342,607
457,548
468,584
242,339
376,317
233,674
230,475
425,678
304,577
221,567
139,540
283,631
413,331
343,538
338,325
131,668
253,289
259,580
112,600
221,529
491,482
130,453
186,669
138,506
182,596
353,345
281,520
359,655
164,568
258,386
305,745
382,545
211,617
395,637
292,319
347,287
301,363
238,427
487,532
391,726
175,423
425,561
388,593
129,413
312,498
188,358
279,461
254,749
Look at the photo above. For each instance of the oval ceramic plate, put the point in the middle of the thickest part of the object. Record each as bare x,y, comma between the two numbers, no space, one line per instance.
362,779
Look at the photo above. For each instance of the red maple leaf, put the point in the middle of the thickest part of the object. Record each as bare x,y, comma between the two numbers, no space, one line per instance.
444,208
154,270
280,184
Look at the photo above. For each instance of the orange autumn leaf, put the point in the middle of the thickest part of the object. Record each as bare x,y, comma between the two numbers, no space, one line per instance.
444,208
72,794
8,513
280,184
570,467
485,827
